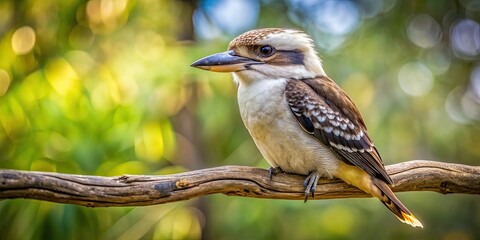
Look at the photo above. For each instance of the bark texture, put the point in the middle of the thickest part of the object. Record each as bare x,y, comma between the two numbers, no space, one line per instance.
136,190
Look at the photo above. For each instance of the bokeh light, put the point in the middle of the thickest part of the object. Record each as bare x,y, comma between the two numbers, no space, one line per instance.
453,106
424,31
329,21
336,17
4,82
149,142
23,40
415,78
229,16
463,104
465,39
475,82
62,76
470,106
470,100
105,15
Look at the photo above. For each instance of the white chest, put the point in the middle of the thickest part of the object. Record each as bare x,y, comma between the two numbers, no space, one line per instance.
276,132
261,103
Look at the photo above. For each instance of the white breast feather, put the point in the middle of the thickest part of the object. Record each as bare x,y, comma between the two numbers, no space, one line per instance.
276,132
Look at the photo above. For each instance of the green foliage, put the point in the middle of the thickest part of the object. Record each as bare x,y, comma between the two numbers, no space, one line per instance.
104,87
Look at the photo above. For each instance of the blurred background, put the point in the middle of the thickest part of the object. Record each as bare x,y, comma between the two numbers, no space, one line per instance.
105,87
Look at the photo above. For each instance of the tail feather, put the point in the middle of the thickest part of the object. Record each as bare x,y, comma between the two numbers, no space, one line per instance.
394,205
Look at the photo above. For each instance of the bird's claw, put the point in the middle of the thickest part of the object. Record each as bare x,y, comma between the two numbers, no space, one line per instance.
273,170
310,184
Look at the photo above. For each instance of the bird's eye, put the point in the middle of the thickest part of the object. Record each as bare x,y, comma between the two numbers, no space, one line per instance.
266,50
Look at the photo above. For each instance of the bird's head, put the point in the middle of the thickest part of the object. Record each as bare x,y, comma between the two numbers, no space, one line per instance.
267,54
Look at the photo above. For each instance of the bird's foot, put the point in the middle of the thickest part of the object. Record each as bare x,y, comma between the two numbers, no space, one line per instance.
310,184
274,170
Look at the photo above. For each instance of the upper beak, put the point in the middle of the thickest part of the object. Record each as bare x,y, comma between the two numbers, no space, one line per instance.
224,62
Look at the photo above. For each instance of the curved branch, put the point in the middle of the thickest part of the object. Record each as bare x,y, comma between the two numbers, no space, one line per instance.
129,190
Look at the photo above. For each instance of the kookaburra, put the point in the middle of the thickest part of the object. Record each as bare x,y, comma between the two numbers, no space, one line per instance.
301,120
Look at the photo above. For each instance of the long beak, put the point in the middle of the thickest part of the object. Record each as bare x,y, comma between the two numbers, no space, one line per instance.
224,62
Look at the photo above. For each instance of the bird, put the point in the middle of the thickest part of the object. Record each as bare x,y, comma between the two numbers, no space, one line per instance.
301,121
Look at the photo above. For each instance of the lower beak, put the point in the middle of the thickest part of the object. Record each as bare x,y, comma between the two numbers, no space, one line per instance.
224,62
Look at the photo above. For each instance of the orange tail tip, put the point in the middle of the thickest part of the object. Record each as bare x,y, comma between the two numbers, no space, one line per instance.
394,204
411,220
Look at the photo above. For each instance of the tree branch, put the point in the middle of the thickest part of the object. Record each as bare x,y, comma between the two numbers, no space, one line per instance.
128,190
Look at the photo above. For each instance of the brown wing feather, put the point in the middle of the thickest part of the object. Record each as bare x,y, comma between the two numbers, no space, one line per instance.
324,110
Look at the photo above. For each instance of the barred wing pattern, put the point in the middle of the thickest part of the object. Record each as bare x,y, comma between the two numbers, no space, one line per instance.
326,112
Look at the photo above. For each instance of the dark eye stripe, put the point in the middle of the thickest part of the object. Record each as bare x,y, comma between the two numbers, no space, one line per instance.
287,57
280,57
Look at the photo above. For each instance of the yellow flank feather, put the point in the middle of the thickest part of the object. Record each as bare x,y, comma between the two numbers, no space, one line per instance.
357,177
